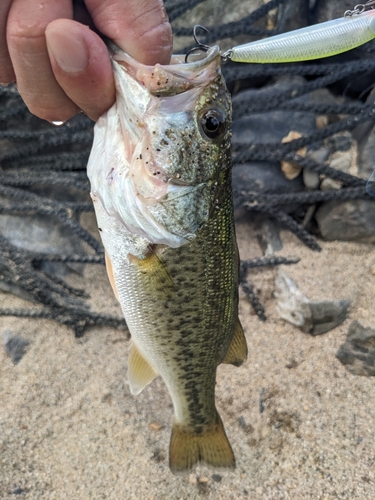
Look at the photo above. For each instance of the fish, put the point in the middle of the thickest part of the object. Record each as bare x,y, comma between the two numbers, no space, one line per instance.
160,174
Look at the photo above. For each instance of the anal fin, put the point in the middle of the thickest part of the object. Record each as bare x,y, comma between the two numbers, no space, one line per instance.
237,351
211,448
140,372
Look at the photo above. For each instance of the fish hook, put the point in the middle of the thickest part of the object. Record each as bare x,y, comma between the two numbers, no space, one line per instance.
200,46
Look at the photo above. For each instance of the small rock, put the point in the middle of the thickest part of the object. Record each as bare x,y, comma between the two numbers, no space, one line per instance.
203,479
311,317
340,143
357,353
322,121
18,491
328,184
327,315
15,346
291,169
217,478
310,179
265,431
352,220
319,155
263,177
341,160
42,233
192,479
291,304
292,364
269,236
156,426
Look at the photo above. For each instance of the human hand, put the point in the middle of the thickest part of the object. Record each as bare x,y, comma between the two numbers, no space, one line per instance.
61,66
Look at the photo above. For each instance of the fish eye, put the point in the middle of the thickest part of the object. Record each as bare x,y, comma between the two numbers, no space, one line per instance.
213,123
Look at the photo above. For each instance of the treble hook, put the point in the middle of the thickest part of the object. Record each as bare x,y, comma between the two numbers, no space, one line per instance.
200,46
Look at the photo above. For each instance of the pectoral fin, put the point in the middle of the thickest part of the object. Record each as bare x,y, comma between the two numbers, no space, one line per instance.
237,352
155,269
140,372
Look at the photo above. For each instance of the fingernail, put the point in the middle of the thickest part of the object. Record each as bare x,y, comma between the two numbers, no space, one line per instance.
67,50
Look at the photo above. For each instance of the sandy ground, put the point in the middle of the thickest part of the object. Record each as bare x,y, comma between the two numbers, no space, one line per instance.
70,429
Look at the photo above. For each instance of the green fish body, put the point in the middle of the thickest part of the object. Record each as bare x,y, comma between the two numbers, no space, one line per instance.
160,172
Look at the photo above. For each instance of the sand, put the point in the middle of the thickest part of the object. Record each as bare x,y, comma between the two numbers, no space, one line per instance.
301,426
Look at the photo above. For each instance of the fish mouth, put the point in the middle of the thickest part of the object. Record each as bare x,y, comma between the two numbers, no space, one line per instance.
172,79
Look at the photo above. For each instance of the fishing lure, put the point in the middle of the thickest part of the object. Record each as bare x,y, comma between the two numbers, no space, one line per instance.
313,42
356,28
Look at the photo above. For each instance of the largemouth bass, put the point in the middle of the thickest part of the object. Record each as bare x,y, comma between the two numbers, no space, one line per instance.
160,172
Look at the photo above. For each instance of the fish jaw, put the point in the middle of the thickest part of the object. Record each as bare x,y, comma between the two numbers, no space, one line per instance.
149,164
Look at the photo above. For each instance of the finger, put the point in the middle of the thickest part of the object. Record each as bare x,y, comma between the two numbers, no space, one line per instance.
6,69
27,21
81,65
140,27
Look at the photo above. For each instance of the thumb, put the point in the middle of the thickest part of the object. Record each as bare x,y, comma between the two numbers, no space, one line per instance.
81,65
139,27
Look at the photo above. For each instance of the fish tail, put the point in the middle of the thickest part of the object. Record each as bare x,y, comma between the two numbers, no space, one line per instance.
210,447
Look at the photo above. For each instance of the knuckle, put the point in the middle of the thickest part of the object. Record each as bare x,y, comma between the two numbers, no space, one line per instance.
149,18
24,33
158,40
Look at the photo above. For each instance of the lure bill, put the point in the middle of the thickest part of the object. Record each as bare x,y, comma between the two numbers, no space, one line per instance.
160,173
313,42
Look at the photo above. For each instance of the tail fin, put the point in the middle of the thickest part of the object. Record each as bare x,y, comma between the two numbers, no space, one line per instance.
211,447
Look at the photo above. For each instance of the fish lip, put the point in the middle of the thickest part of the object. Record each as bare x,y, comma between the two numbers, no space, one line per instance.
172,79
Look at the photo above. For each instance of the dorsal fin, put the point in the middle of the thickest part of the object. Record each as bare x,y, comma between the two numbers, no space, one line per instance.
237,351
140,372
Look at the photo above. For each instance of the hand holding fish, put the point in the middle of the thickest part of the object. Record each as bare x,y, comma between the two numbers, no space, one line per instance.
62,66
